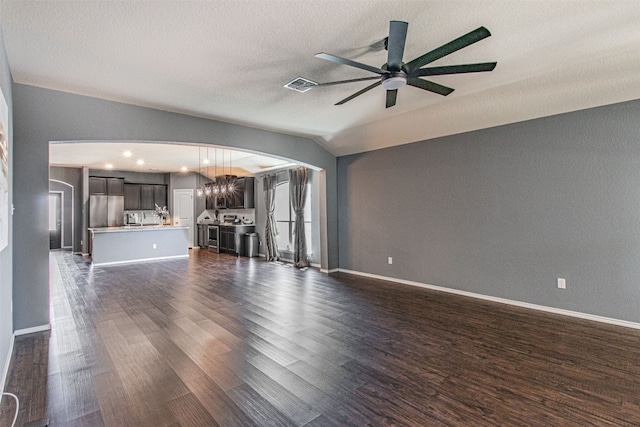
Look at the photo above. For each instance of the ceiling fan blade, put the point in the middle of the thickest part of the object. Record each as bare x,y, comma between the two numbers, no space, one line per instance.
454,69
395,45
368,88
351,63
391,97
430,86
345,81
444,50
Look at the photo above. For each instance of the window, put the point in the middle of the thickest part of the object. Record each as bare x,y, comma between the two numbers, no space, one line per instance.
285,218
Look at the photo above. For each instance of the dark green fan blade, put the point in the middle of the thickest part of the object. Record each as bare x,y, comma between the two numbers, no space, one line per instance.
444,50
454,69
430,86
351,63
346,81
368,88
391,97
395,45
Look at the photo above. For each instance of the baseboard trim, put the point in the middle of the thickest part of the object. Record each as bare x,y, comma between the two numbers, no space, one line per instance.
5,371
334,270
577,314
104,264
33,330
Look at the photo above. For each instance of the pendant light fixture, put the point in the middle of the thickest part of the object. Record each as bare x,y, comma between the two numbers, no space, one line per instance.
207,188
231,183
199,191
216,184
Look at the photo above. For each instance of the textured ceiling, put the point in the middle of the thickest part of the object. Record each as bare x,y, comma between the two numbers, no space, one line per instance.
228,60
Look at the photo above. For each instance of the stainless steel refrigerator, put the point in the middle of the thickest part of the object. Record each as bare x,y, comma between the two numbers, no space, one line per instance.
106,211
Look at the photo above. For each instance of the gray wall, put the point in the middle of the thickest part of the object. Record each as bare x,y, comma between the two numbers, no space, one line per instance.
43,115
506,211
73,177
6,256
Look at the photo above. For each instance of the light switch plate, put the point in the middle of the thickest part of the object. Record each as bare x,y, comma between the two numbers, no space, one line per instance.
562,283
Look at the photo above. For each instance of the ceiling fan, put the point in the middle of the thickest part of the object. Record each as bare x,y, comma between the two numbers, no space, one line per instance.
395,74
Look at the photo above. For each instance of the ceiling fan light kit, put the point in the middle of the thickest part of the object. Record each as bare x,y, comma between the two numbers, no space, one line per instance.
395,74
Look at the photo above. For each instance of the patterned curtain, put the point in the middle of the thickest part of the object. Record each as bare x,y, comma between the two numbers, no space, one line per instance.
298,178
269,187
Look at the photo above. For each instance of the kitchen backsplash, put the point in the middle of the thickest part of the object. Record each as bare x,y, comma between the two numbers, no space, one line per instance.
248,214
144,217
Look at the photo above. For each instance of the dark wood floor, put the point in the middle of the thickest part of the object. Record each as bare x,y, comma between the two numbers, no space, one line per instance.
218,340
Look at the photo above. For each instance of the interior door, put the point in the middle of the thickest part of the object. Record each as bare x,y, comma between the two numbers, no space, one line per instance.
55,220
183,211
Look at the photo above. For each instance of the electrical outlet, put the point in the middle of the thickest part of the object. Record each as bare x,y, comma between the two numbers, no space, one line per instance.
562,283
390,260
154,246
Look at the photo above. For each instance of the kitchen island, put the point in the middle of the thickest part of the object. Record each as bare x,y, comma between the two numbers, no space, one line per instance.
118,245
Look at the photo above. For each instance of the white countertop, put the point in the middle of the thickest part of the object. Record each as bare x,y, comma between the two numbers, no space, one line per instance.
127,228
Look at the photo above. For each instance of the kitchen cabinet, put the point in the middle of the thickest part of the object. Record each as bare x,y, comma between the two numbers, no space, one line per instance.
131,197
203,235
144,196
115,186
232,238
160,195
106,186
242,196
97,185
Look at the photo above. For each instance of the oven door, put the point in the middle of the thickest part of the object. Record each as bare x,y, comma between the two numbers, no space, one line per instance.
213,238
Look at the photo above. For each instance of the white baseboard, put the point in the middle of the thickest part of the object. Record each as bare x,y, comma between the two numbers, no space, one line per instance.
104,264
33,330
593,317
333,270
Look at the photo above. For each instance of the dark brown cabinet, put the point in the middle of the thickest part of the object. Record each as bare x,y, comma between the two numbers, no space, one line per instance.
106,186
97,185
131,197
242,196
144,196
232,238
160,195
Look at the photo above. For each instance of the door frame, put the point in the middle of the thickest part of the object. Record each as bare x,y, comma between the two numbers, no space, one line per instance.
190,232
61,194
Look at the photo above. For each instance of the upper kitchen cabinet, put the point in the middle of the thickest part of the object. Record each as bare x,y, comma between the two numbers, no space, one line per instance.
97,185
242,197
106,186
131,197
115,186
152,195
160,195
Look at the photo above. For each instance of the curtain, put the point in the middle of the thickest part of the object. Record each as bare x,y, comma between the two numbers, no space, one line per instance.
298,178
269,187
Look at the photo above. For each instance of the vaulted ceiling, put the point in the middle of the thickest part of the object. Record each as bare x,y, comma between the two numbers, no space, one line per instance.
229,60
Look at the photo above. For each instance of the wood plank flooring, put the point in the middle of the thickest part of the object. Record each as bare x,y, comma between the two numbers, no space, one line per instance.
219,340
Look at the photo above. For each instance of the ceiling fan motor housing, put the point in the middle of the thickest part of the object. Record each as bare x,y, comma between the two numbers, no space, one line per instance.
394,80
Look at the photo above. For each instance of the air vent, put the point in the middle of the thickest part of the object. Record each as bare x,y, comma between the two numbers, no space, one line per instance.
300,84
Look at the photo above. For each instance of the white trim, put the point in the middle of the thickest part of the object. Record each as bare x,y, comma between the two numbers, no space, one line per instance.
140,260
335,270
314,265
5,371
593,317
33,330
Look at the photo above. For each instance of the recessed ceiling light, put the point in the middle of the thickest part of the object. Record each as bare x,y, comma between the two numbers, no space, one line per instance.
140,162
184,169
108,166
127,153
